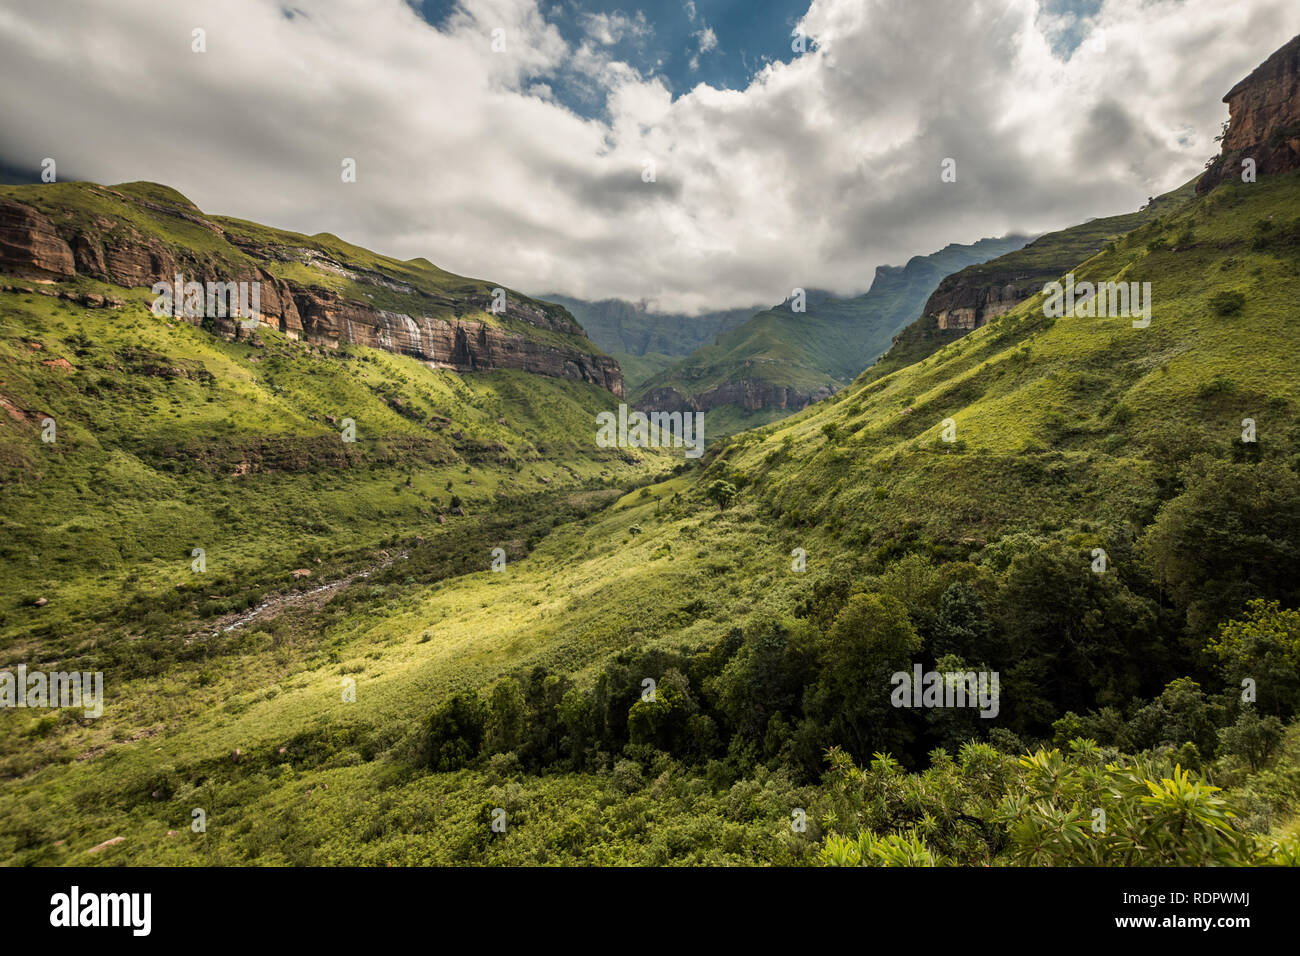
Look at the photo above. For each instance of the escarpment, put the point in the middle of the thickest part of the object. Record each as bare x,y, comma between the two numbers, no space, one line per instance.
978,294
315,289
1263,121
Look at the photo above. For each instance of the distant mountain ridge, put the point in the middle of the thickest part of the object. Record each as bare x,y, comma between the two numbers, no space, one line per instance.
978,293
780,361
617,325
643,340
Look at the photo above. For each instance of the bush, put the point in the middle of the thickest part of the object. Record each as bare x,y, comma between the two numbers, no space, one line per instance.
1227,303
1252,738
721,493
628,776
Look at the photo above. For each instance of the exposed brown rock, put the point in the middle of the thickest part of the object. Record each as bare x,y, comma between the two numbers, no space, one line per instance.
973,299
118,253
89,256
16,413
29,246
461,344
135,261
1263,120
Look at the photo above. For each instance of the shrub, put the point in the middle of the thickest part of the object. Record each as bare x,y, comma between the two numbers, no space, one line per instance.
1227,303
721,493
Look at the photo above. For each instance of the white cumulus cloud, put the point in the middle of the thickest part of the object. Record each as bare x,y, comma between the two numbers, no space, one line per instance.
814,174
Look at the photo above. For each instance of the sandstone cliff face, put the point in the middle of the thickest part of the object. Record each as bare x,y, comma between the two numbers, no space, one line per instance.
34,246
965,301
1263,120
462,344
29,246
978,294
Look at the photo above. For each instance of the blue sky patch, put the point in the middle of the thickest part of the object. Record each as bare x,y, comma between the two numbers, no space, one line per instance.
686,42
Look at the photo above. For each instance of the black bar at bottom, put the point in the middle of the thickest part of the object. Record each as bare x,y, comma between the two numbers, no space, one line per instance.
331,906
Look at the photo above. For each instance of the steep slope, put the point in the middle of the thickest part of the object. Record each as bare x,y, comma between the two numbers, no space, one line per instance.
973,296
317,288
780,360
339,424
1263,128
1095,397
127,440
644,341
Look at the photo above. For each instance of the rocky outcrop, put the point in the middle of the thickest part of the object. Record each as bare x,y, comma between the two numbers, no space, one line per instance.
121,255
976,295
461,344
438,330
89,300
30,246
1263,121
969,300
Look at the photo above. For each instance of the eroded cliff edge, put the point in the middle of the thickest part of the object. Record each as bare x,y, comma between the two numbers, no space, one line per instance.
317,289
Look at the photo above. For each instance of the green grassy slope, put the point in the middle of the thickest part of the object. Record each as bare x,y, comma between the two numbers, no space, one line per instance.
1094,396
170,439
1047,256
1070,431
639,368
1029,268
